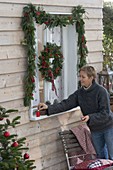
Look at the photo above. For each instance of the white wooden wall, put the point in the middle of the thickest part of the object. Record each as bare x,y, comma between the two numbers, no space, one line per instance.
42,136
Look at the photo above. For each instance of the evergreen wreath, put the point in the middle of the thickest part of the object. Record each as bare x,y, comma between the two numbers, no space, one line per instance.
31,13
50,68
50,63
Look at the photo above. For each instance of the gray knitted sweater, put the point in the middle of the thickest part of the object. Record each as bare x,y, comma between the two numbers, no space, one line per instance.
93,102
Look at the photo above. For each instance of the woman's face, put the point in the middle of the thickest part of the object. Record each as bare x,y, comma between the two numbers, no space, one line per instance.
85,80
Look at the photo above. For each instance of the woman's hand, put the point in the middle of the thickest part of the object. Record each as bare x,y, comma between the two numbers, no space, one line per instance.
85,118
42,106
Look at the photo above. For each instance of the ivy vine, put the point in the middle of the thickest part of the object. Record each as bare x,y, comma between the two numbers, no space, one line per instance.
32,13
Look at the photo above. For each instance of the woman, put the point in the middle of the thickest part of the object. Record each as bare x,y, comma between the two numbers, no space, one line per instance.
94,102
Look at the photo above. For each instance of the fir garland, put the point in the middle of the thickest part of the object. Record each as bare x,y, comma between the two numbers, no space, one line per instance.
30,12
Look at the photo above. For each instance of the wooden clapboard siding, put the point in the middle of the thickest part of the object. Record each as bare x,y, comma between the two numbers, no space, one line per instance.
93,24
13,79
13,65
61,166
9,52
94,57
11,38
10,24
11,93
46,150
94,35
53,161
10,10
95,46
17,104
86,3
41,136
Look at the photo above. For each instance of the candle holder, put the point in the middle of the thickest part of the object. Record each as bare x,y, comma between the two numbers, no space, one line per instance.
105,78
37,113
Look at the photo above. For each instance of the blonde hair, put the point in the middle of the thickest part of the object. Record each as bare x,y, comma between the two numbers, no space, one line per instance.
89,70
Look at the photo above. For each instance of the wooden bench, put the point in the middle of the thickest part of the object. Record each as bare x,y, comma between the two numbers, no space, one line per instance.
72,148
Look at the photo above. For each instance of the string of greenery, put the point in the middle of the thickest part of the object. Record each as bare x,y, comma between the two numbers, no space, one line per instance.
32,13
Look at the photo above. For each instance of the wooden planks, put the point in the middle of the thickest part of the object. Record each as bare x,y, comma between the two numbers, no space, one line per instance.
15,10
12,66
86,3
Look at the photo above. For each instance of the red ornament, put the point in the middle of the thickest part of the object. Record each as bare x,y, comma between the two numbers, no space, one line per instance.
46,50
26,14
38,113
6,134
46,22
26,156
32,79
15,144
38,13
57,70
83,38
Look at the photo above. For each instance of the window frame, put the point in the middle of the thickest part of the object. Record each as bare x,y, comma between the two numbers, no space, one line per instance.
34,108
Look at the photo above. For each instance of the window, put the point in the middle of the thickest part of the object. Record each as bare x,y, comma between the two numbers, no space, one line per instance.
66,84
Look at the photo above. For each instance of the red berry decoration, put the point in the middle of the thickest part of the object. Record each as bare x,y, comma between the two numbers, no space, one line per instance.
15,144
83,38
38,113
6,134
26,156
32,79
38,13
1,118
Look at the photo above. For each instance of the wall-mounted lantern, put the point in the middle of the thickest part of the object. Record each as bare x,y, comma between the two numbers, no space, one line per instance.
105,78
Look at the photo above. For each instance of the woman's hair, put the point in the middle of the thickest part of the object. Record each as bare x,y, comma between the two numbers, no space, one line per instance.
89,70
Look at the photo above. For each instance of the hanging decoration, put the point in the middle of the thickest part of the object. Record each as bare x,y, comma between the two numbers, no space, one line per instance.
50,63
32,13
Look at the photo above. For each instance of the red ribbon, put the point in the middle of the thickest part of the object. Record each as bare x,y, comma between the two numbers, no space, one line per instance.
53,85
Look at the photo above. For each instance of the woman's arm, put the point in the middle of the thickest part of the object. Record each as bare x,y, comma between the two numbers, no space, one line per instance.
66,104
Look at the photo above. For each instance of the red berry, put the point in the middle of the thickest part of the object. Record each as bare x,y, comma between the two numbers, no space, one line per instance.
1,118
38,13
46,22
25,14
83,38
6,134
26,156
32,79
15,144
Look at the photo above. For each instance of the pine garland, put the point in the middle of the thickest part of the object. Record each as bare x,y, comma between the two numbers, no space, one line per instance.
30,12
